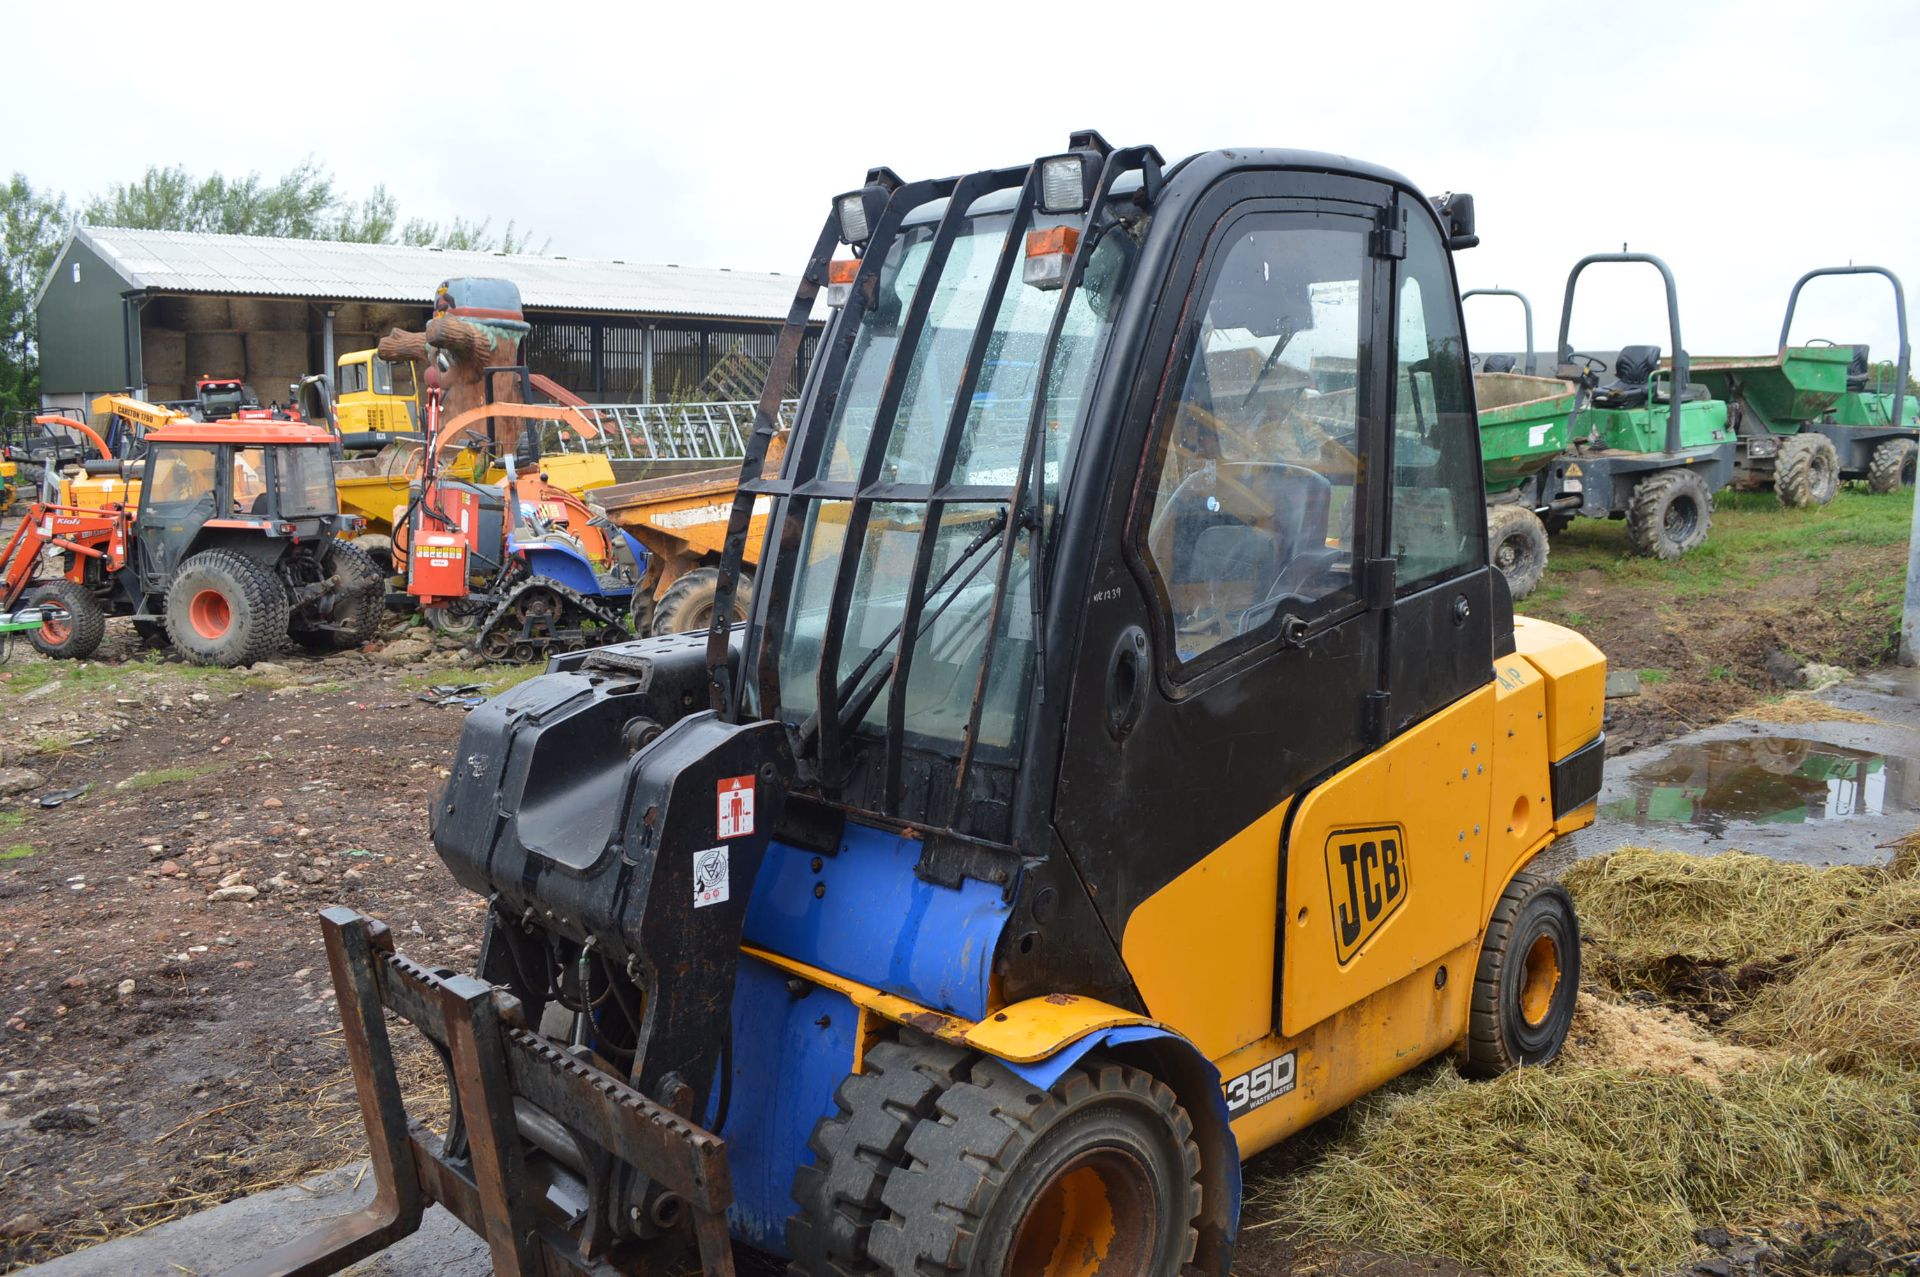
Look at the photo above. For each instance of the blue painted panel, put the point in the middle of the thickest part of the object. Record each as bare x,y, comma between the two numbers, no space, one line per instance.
567,566
789,1056
876,922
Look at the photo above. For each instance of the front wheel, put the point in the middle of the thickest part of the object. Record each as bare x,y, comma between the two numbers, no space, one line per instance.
1671,513
1098,1175
1517,542
1806,473
688,604
75,634
1892,467
224,609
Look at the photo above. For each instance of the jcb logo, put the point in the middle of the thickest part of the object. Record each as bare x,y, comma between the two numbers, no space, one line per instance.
1366,882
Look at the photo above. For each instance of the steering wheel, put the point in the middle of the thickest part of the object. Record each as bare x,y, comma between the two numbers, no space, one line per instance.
1593,364
1816,341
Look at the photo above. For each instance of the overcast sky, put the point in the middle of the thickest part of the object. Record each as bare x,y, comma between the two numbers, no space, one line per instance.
1743,142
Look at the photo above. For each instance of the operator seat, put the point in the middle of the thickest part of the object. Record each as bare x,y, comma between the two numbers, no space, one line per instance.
1632,372
1498,363
1857,377
1254,565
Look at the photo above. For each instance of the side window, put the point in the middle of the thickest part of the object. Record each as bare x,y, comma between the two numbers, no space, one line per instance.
353,378
182,474
1438,520
249,480
1254,497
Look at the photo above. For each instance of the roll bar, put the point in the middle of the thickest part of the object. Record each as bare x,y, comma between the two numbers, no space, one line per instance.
1527,306
1681,365
1899,315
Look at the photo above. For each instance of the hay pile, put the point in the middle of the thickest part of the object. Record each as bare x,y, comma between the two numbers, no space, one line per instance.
1798,708
1804,1090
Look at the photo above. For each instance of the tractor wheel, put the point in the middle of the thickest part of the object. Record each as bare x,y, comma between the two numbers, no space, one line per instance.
641,612
359,606
688,603
378,547
1807,471
1517,540
1527,980
857,1146
1098,1175
77,635
225,609
454,621
1670,513
1892,466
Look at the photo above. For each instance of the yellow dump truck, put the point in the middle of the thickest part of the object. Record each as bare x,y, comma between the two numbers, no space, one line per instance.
682,520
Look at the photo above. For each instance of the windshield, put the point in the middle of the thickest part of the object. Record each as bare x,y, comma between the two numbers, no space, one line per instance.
305,479
393,379
967,538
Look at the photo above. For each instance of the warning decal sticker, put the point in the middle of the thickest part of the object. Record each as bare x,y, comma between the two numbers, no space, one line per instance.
736,807
710,874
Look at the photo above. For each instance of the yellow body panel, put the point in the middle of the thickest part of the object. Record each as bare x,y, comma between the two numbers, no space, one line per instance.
1386,863
577,472
1576,681
365,408
1200,949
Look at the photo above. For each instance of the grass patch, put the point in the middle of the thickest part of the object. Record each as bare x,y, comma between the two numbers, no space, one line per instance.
12,818
168,776
1654,676
19,851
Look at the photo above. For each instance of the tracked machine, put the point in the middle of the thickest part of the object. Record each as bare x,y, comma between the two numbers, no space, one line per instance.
1130,757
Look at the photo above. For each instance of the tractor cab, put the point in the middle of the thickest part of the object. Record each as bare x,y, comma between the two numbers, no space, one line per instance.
258,486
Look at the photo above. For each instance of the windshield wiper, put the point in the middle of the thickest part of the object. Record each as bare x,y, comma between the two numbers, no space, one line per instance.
854,706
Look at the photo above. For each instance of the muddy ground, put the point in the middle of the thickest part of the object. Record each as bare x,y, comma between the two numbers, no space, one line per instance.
167,1037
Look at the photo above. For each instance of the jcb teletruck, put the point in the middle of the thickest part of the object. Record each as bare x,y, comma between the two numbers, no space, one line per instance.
1130,758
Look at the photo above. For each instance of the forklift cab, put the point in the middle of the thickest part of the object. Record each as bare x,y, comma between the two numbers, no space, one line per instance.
205,483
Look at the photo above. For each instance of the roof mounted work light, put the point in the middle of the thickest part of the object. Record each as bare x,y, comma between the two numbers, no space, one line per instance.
1067,181
856,212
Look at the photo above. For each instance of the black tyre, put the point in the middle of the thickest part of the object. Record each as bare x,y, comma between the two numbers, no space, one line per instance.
72,637
1527,979
460,621
379,548
1892,466
1806,473
225,609
358,605
1670,513
857,1147
688,603
1099,1175
1517,541
640,612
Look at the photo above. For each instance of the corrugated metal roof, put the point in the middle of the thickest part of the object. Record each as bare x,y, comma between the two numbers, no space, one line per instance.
191,262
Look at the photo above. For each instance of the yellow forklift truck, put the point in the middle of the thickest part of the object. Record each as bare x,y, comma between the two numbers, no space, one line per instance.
1130,758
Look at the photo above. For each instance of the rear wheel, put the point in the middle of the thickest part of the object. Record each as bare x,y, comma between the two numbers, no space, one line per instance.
1517,540
1097,1176
358,605
688,603
1670,514
225,609
75,635
1527,980
1806,473
1892,467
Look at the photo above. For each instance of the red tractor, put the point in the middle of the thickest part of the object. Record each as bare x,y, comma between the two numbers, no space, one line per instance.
230,546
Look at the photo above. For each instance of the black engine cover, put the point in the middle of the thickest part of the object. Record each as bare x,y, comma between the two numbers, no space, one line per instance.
589,802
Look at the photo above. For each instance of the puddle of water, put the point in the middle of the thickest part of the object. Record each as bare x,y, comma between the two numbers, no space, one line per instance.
1768,780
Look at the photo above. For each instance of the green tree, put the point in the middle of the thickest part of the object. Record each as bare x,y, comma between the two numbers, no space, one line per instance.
32,225
305,203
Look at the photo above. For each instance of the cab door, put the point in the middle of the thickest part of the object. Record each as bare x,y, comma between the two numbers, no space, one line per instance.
1230,648
182,489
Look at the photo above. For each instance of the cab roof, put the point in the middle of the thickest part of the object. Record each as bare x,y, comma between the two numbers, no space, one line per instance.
241,432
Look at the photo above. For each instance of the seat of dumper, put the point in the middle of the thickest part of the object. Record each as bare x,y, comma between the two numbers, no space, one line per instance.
1497,363
1632,372
1857,377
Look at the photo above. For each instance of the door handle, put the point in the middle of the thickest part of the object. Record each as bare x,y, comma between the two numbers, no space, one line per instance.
1126,681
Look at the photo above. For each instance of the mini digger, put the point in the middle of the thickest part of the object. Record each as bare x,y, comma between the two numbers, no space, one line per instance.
1130,757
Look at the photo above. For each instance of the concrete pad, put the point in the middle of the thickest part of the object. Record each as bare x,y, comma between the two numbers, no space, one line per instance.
213,1240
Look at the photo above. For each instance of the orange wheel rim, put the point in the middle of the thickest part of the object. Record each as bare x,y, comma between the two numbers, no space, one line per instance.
210,614
54,631
1539,981
1096,1215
